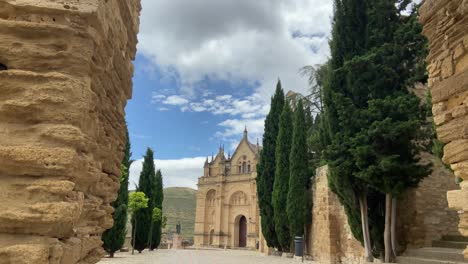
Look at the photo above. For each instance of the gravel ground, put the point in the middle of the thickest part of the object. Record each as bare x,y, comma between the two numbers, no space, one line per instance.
165,256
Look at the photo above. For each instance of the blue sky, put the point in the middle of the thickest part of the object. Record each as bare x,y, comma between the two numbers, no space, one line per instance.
206,69
170,130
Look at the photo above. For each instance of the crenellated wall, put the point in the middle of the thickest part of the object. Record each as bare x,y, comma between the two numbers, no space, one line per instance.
65,77
446,27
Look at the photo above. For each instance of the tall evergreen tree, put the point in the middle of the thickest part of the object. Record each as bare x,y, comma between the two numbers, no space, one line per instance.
281,183
341,120
372,119
297,202
114,238
384,149
158,203
266,167
146,185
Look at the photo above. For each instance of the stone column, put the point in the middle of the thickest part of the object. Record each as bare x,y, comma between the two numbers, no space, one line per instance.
217,240
65,77
446,27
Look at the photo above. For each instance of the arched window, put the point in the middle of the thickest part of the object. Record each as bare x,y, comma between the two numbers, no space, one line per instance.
238,198
244,167
211,198
248,168
240,169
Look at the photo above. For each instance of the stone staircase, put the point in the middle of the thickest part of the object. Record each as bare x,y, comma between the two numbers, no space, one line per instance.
448,250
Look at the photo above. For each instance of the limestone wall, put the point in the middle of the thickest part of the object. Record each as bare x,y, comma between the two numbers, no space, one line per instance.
446,27
423,214
65,77
330,239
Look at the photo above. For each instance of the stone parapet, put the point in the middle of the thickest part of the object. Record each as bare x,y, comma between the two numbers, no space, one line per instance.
446,27
65,75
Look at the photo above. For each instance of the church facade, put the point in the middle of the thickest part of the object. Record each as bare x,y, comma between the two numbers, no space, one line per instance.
227,213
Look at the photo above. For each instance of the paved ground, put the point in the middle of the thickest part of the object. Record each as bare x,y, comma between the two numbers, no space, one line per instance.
196,257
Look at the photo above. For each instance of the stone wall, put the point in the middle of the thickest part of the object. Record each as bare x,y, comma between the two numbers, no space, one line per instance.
330,239
423,214
446,27
65,74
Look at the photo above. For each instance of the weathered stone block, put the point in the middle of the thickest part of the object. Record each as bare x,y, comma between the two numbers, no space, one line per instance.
445,25
447,67
62,124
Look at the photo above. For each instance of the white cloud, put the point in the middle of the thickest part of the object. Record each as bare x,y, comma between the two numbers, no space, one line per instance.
247,108
176,173
254,41
233,127
158,96
243,41
174,100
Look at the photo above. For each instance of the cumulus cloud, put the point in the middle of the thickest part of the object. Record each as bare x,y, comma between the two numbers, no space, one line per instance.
176,173
253,41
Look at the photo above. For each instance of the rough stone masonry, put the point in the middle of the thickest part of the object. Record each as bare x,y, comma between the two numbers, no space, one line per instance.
65,77
446,27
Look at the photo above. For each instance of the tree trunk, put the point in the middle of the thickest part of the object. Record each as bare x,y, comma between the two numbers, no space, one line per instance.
387,232
150,237
393,226
134,237
111,254
305,239
365,228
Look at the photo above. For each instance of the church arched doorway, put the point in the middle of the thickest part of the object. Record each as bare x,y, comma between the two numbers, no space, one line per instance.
242,232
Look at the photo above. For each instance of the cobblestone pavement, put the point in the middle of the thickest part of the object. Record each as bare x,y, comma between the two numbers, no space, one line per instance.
197,257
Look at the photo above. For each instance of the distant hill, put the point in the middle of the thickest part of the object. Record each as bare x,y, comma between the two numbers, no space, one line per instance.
179,206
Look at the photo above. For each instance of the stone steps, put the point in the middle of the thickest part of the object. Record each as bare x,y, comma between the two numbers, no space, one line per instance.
455,238
432,255
450,244
449,250
415,260
436,253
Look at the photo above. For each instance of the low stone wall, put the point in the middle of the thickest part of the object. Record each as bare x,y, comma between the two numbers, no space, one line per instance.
446,27
65,74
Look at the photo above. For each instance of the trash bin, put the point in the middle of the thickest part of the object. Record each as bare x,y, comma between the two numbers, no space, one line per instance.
298,246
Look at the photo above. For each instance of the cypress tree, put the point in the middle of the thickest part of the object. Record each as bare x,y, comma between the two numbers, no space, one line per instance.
297,204
281,183
342,120
146,185
114,238
158,202
266,167
372,119
385,149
